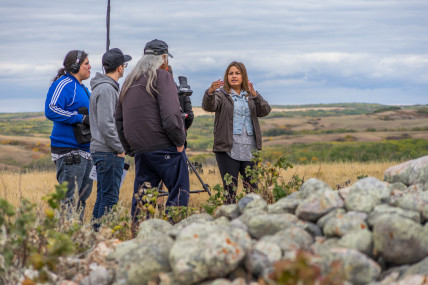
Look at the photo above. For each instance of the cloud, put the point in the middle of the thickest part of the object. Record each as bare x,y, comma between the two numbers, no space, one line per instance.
363,48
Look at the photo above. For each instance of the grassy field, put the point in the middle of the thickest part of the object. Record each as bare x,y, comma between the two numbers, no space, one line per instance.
324,130
316,138
35,185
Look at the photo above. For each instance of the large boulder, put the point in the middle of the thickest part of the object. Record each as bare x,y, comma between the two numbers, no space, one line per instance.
142,263
400,240
203,251
260,259
287,204
269,224
356,266
384,209
318,204
361,240
343,224
366,193
409,173
312,186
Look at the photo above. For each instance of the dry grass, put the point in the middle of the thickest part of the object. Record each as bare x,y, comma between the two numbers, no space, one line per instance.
34,186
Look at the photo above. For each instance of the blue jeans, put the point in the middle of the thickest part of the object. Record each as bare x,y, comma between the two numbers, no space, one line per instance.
77,176
109,175
167,165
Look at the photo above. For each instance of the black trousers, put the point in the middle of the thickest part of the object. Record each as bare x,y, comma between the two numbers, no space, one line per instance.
228,165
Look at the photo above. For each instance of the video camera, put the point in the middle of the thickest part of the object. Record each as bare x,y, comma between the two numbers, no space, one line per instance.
183,88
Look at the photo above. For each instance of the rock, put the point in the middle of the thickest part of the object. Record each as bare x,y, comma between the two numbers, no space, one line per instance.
417,202
269,224
311,228
396,271
344,192
293,236
420,268
318,204
333,214
98,275
343,224
194,219
409,173
144,262
383,209
400,240
252,201
323,245
153,227
222,221
241,237
312,186
412,280
249,214
397,186
166,278
237,223
230,211
287,204
260,259
366,193
361,240
123,249
356,266
203,251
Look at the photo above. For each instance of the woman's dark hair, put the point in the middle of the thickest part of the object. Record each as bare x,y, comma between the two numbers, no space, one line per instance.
69,60
243,70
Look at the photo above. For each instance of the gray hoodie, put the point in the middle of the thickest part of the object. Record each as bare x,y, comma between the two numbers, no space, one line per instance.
102,108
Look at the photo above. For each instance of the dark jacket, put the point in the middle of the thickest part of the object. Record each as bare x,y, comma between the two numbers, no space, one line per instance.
147,124
222,104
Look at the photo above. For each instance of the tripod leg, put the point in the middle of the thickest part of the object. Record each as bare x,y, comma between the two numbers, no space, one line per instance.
205,186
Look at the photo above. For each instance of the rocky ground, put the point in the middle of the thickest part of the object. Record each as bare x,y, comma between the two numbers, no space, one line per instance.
375,230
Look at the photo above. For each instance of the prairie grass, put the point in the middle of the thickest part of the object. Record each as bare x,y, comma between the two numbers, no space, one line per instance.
35,185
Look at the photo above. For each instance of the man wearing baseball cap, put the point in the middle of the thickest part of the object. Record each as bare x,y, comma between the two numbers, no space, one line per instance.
151,128
106,149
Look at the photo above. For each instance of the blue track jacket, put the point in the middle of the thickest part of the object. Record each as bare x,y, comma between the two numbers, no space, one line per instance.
64,97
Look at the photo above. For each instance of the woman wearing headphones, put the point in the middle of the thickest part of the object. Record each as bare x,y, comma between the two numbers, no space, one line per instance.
67,105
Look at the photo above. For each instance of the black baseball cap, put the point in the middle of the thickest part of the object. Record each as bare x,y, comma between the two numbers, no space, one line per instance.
115,57
156,47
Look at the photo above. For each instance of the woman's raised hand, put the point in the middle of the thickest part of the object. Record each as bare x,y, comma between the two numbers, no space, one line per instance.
215,85
252,91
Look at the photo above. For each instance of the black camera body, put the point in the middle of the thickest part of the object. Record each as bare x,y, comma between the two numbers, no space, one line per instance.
183,88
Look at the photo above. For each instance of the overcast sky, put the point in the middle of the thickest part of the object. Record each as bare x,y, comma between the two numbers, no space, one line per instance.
296,52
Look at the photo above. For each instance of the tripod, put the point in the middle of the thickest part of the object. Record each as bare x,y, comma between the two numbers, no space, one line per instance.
206,187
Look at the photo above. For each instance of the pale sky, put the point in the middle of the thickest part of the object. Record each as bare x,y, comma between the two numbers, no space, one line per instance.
296,52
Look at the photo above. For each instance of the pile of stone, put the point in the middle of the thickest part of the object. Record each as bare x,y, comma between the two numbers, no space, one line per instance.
374,229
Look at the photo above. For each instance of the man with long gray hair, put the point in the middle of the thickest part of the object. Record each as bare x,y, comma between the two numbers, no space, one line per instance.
151,128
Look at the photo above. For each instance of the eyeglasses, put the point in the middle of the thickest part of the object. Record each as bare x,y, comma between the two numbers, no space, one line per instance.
125,64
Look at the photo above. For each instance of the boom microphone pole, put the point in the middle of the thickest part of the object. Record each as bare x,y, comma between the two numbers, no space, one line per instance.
108,25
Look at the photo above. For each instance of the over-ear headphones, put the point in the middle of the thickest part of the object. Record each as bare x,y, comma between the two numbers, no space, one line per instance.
74,68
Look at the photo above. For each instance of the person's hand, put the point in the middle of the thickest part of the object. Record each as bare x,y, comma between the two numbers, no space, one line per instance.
252,91
215,85
180,148
85,120
121,154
